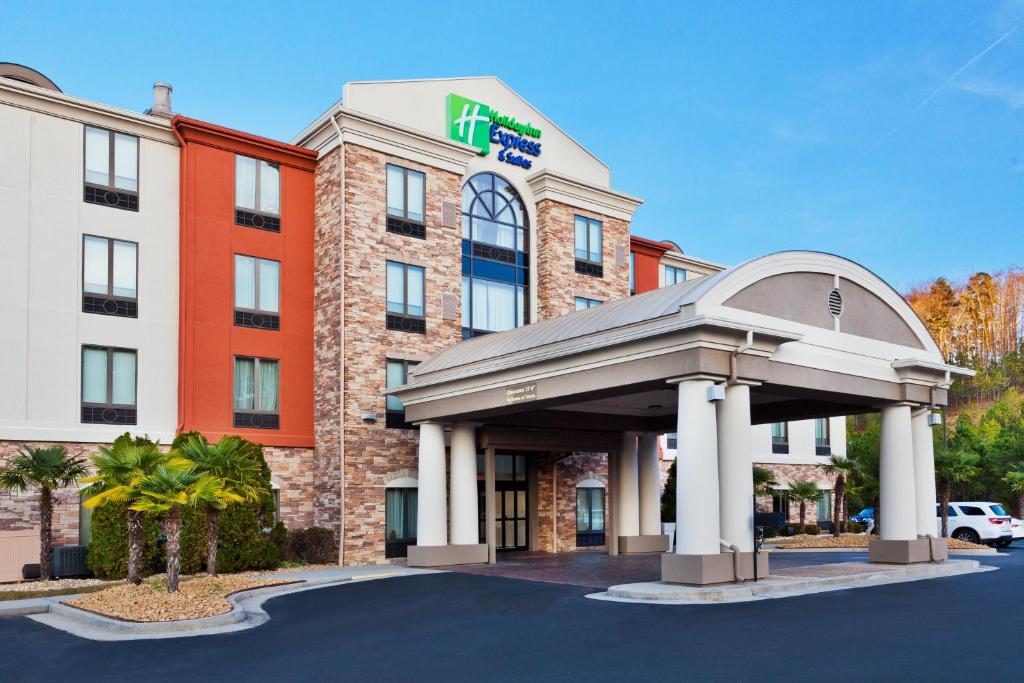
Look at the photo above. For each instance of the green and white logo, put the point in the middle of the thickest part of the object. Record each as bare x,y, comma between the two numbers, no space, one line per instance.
469,122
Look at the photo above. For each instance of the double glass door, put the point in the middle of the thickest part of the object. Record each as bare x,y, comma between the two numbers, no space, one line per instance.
511,515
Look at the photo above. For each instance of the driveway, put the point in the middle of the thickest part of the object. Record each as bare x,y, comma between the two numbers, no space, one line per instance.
466,627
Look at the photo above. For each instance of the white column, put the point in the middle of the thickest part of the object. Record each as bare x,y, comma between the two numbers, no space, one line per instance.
697,525
896,476
649,472
431,503
629,488
924,474
465,515
735,476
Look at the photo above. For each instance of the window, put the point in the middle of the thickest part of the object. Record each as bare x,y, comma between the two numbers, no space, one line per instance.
674,275
405,307
589,516
822,437
972,511
400,521
397,375
109,276
672,441
495,262
406,197
111,169
632,273
84,522
824,506
257,193
257,292
108,385
998,510
256,393
583,303
780,437
588,246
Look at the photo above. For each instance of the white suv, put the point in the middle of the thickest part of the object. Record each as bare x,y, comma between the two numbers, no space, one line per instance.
978,522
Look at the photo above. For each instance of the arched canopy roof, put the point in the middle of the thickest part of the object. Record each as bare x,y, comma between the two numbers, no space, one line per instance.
815,333
20,72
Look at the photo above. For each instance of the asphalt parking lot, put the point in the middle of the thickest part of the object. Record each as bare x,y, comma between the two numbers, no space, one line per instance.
459,626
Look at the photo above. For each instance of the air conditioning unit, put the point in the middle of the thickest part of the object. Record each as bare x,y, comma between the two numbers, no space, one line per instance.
69,560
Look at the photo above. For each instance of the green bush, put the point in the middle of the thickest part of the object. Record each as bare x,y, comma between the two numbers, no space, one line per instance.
315,545
242,543
812,529
853,528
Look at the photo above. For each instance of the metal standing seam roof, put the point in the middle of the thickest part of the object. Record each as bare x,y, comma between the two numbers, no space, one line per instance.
656,303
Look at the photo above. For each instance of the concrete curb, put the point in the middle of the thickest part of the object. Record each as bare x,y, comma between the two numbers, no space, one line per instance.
246,611
952,551
657,593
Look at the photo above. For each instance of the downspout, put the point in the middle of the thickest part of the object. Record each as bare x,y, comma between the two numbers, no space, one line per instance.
733,357
182,175
341,335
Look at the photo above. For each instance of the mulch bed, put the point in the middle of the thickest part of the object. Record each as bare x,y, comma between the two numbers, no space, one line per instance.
197,597
852,541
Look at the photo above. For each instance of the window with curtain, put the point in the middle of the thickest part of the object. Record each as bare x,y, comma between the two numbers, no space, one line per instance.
822,437
257,292
588,239
583,303
108,385
397,374
674,275
400,521
256,391
109,276
495,262
257,185
825,506
405,289
111,160
405,193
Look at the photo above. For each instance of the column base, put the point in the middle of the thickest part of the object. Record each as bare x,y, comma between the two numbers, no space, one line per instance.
635,545
444,555
702,570
925,549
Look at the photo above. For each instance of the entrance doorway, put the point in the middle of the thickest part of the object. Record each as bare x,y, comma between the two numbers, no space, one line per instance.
511,496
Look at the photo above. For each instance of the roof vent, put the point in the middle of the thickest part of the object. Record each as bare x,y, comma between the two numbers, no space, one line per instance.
835,303
161,100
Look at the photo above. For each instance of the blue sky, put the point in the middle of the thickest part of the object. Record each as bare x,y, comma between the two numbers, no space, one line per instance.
891,133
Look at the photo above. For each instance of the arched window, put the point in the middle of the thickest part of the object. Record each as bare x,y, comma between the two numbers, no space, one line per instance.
495,261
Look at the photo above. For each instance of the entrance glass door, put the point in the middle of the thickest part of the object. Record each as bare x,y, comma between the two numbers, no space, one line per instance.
511,516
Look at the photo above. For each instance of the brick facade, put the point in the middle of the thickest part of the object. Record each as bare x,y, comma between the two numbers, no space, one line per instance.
785,473
571,470
374,453
293,470
558,281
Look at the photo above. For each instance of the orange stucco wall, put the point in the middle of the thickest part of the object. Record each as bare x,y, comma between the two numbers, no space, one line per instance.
647,258
209,340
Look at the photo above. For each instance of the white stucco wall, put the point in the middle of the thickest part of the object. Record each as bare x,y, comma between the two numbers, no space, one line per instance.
43,218
801,443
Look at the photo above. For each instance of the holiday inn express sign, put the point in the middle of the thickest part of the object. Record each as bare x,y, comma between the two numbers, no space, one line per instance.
480,125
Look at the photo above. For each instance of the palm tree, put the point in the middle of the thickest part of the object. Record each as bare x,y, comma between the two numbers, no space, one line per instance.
46,468
166,491
803,492
234,461
1015,479
119,471
839,467
952,467
764,481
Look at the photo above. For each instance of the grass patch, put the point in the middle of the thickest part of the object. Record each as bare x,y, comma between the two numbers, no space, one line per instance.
27,595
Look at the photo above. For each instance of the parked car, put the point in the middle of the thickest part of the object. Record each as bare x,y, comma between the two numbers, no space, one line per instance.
1016,528
864,516
978,522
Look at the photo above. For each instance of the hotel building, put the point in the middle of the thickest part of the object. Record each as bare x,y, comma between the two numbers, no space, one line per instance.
169,274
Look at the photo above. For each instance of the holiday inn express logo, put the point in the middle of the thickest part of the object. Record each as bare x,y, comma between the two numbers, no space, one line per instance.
478,125
469,122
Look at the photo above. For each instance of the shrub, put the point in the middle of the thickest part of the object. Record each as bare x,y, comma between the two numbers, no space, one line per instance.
853,527
315,545
812,529
242,544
